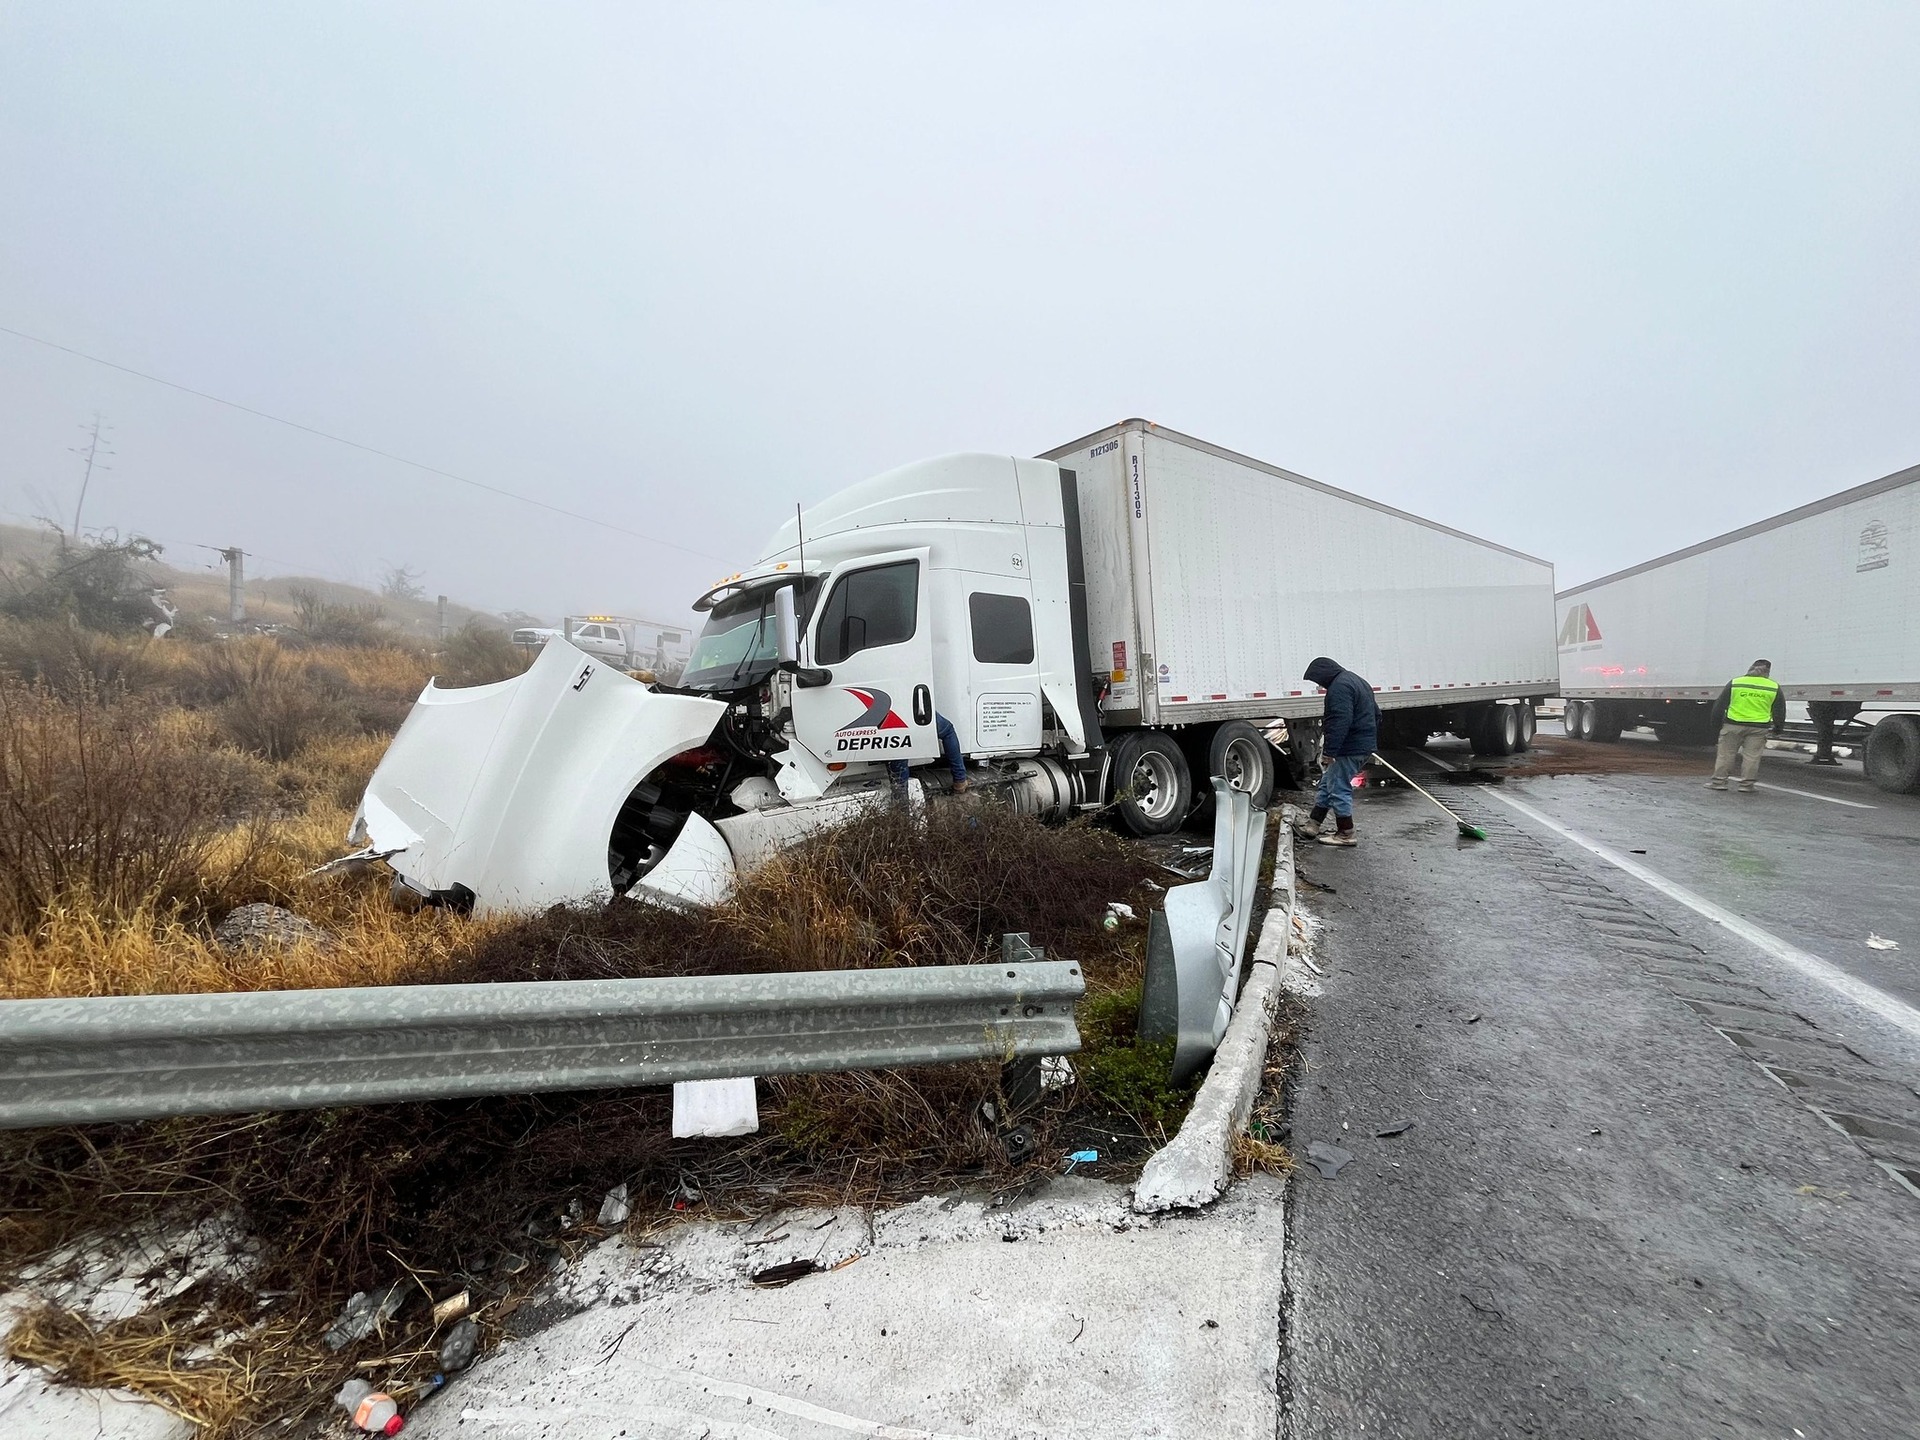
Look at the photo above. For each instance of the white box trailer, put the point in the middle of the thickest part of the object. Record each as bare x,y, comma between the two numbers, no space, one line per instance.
1213,579
1828,592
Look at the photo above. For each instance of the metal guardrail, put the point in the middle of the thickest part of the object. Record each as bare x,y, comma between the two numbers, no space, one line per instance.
145,1056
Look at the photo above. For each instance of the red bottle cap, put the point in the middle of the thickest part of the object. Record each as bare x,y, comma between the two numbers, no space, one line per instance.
393,1426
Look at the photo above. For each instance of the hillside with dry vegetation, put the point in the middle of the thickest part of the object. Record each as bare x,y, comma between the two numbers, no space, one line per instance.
149,786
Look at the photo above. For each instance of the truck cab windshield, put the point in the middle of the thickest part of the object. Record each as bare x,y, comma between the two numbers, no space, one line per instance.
738,646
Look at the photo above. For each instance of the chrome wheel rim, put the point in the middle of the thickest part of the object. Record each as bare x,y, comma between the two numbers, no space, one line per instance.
1243,767
1153,785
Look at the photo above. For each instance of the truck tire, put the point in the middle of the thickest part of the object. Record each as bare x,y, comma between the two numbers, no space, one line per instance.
1152,786
1606,725
1496,731
1893,754
1529,723
1241,754
1570,719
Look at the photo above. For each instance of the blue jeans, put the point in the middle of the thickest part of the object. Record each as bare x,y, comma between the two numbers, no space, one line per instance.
949,747
1336,786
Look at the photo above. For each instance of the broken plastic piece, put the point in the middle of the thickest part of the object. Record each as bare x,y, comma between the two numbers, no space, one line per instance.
1082,1157
615,1208
1327,1159
1398,1127
1880,942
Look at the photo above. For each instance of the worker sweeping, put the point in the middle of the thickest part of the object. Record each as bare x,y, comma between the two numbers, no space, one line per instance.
1349,730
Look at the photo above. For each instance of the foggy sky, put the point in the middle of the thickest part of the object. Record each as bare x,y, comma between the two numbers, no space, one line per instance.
1595,282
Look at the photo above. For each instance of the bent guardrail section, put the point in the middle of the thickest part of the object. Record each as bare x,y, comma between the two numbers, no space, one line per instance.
146,1056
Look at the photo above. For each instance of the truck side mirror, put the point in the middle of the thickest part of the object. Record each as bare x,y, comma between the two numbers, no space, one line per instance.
786,627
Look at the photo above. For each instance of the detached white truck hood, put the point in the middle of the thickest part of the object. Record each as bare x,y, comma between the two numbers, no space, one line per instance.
511,790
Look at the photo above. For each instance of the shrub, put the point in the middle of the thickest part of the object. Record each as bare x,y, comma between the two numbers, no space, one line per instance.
71,659
326,622
480,655
114,808
268,703
97,583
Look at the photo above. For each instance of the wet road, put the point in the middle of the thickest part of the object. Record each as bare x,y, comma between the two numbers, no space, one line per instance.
1653,1183
1817,855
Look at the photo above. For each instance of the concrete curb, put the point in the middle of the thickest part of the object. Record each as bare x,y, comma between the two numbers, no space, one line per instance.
1193,1168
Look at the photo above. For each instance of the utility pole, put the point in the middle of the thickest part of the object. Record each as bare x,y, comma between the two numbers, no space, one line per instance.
92,452
443,618
236,584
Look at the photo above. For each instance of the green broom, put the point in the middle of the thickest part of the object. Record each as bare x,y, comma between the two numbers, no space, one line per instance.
1472,832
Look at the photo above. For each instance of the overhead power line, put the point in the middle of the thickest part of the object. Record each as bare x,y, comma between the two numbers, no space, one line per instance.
356,445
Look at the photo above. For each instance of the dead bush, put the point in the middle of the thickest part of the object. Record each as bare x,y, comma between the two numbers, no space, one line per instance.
70,659
115,808
479,654
266,700
329,622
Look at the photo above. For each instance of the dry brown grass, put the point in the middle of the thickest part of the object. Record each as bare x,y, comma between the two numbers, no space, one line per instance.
142,797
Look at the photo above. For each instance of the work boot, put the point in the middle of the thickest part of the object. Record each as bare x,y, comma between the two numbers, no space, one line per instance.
1307,829
1343,834
960,787
1716,784
1746,786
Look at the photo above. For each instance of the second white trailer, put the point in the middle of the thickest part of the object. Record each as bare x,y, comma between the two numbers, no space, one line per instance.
1828,592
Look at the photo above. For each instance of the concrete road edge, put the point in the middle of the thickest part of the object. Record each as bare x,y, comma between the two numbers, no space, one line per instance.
1193,1168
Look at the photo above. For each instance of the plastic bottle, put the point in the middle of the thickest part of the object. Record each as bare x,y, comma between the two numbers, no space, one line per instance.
371,1410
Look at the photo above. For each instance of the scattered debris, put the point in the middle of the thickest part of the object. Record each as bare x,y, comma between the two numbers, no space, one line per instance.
1082,1157
372,1410
1474,1019
775,1276
1056,1072
1019,1143
1880,942
715,1108
614,1210
458,1349
1398,1127
365,1313
266,927
452,1308
1307,960
1119,911
1327,1159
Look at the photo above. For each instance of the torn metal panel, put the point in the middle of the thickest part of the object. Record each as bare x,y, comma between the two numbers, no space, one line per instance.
1195,946
511,790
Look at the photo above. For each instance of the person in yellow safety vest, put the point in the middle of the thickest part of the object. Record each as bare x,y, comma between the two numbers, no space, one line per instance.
1750,708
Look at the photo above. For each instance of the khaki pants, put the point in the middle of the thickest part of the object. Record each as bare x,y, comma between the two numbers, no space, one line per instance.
1745,741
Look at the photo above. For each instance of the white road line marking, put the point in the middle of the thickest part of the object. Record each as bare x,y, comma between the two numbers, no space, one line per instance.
1830,799
1867,997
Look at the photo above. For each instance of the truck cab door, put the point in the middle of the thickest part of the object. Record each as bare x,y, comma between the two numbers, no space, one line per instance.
873,632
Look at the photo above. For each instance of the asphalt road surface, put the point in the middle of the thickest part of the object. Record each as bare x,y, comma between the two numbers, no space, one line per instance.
1660,1173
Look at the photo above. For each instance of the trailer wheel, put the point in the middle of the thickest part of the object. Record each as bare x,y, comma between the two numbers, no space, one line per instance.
1241,755
1893,754
1152,786
1529,723
1570,719
1607,722
1497,731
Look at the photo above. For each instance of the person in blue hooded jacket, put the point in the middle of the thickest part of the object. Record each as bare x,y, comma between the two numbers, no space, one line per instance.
1349,733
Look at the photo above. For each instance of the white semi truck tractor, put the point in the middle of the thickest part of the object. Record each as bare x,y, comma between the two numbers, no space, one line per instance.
1108,625
1827,592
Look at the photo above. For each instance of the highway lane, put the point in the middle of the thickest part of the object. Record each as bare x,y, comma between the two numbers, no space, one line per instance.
1819,857
1606,1219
